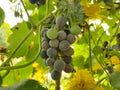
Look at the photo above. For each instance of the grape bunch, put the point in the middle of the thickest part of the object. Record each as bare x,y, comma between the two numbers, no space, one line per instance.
56,47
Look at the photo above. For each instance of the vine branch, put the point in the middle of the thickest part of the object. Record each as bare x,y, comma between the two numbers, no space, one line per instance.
89,42
22,41
18,46
47,7
115,32
27,64
27,13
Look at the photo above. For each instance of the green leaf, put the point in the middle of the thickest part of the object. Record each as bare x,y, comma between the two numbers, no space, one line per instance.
78,61
29,6
2,16
116,53
27,84
17,35
26,49
4,33
97,50
19,74
1,80
115,79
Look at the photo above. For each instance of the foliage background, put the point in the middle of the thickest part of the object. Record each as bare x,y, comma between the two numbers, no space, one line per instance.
96,69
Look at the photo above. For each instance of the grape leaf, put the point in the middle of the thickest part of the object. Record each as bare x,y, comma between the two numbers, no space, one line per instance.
18,33
19,74
1,80
78,61
27,84
28,5
97,50
2,16
4,33
115,79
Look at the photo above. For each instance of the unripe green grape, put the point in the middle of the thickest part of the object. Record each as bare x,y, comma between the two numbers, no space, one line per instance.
33,1
43,31
50,61
51,52
55,75
68,68
43,54
52,33
45,45
69,52
59,65
67,59
64,45
61,35
75,30
60,21
71,38
54,43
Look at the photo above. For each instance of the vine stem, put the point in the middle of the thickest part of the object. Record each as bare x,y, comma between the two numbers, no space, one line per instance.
18,46
22,41
48,16
29,63
98,83
5,74
90,57
27,13
47,7
21,66
115,32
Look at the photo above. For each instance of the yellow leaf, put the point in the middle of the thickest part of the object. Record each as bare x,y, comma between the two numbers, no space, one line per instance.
99,88
93,11
97,67
113,60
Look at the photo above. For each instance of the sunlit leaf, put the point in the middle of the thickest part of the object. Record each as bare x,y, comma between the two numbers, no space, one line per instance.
78,61
2,16
93,11
4,33
18,33
29,6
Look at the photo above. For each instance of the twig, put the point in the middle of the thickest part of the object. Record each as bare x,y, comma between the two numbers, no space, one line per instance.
27,13
6,73
29,63
18,46
98,83
116,31
48,16
21,66
89,42
47,7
